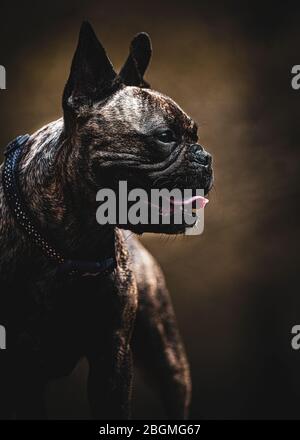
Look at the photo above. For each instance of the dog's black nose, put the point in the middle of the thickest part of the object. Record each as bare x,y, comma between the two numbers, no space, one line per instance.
200,155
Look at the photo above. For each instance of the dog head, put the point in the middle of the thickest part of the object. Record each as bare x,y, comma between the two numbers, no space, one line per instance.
124,131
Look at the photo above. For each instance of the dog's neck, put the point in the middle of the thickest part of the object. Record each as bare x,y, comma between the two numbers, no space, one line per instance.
57,196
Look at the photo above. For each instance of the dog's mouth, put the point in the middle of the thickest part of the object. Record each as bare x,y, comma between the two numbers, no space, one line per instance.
159,205
169,205
172,216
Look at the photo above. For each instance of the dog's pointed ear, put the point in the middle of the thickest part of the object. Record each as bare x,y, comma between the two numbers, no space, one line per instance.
92,77
137,62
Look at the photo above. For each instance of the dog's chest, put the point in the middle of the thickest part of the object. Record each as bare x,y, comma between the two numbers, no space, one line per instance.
66,320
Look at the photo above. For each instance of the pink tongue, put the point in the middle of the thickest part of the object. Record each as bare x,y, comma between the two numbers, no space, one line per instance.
200,201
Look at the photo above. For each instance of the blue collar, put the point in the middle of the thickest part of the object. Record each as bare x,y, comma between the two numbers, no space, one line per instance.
23,218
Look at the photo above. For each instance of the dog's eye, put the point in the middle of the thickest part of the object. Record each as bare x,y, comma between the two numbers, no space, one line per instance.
166,136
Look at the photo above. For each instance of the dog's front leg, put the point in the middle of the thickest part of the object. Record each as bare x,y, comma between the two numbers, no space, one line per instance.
28,386
30,401
109,382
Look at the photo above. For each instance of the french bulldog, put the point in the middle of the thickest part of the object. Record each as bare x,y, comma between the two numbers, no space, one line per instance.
114,127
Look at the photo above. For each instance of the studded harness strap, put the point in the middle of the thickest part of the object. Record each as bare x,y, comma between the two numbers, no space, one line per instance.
16,203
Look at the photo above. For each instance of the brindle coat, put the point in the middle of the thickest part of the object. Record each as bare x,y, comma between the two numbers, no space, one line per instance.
52,321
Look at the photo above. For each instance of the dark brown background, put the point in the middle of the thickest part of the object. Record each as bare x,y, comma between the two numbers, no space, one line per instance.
235,288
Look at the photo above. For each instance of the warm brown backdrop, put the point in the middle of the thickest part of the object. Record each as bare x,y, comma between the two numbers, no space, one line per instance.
235,288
